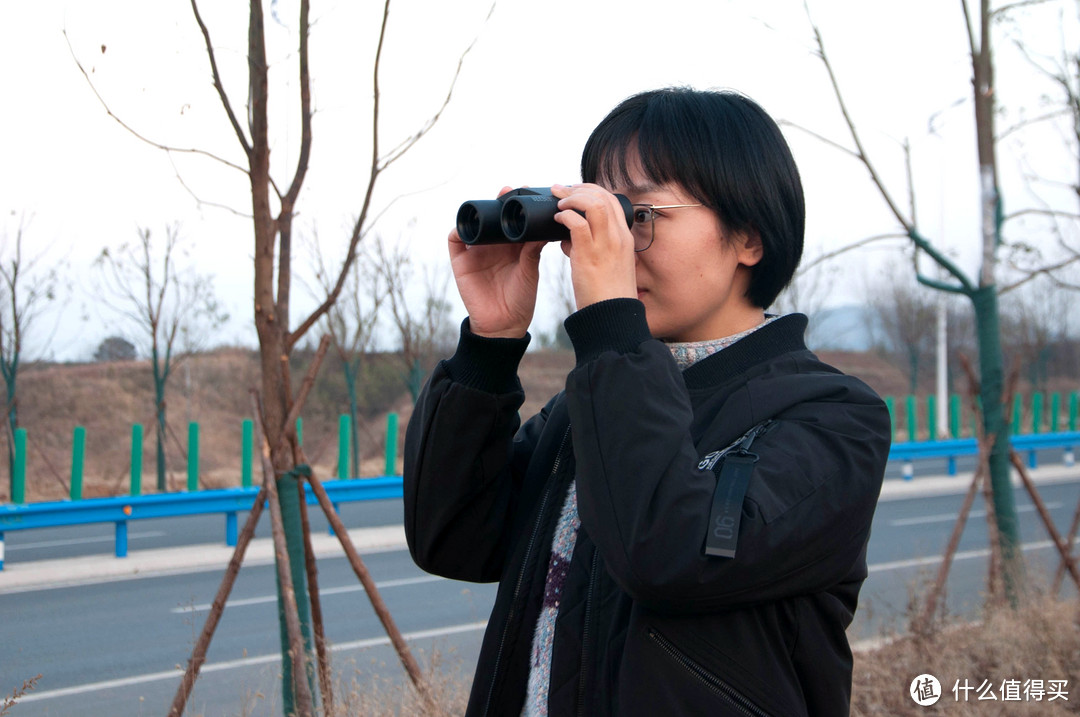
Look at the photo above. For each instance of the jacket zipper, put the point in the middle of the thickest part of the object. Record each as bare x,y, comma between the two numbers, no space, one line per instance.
524,564
714,683
589,614
740,446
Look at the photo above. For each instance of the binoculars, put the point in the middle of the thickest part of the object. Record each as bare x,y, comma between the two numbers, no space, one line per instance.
519,215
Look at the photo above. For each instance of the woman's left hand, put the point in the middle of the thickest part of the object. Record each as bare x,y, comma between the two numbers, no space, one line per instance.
601,247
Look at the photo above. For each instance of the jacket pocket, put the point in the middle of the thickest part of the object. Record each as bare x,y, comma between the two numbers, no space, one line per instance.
739,702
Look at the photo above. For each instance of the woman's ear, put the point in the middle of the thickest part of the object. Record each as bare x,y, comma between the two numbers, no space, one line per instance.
749,248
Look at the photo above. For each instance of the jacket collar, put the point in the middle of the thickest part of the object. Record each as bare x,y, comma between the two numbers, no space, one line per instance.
779,337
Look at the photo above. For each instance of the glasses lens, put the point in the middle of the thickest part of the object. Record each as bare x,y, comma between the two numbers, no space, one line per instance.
642,228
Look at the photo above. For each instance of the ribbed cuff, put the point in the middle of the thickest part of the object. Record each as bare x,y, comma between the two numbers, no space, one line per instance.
614,325
486,364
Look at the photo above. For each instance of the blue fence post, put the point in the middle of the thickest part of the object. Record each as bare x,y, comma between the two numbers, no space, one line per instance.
230,529
1,551
121,538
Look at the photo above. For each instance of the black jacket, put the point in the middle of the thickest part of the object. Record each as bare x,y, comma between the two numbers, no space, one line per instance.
649,623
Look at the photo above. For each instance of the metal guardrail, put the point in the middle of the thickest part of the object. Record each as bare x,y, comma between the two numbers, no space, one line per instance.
120,510
953,448
230,501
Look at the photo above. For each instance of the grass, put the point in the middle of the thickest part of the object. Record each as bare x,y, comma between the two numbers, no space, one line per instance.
1039,640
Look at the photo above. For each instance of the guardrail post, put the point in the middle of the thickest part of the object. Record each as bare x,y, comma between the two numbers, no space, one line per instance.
246,441
1,551
78,454
344,430
136,459
1018,409
193,457
1072,410
18,487
391,444
299,431
121,538
1055,409
230,529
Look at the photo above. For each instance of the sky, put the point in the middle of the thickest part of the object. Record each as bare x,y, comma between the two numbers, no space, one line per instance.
537,79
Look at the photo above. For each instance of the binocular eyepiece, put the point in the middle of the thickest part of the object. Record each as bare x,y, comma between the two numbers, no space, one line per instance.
519,215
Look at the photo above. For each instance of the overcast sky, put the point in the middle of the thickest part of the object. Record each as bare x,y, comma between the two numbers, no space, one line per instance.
539,77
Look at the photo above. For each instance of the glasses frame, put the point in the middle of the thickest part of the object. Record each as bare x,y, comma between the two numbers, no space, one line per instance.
652,218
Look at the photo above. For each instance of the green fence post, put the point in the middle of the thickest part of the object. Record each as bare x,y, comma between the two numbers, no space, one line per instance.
391,444
931,417
1055,409
193,457
344,430
890,403
1072,410
18,488
136,459
247,432
912,419
78,454
299,431
956,416
1036,412
1018,409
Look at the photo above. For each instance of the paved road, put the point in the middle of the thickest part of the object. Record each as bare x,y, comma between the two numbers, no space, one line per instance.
112,647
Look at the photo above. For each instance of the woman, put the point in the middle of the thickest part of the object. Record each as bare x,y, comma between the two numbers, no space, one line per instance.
683,529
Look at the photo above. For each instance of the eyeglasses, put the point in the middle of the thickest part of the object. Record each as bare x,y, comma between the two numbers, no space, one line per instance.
644,227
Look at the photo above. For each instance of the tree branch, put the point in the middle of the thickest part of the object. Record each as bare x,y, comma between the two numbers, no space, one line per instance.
135,133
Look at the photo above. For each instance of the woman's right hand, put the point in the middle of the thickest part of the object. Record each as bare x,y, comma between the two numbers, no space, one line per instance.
497,283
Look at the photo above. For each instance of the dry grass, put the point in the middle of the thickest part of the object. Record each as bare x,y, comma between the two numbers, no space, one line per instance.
1040,640
447,678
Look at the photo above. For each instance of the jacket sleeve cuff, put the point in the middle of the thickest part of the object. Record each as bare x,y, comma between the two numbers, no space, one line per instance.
614,325
486,364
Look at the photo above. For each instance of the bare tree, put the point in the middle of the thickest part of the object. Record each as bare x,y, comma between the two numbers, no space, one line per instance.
142,282
1059,116
274,202
1032,327
352,324
981,291
907,316
420,310
26,289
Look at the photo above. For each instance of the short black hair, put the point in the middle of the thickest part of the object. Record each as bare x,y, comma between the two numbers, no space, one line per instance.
727,152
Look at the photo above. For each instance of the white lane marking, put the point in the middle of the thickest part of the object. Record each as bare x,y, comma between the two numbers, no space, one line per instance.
960,555
203,607
80,541
243,662
949,517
